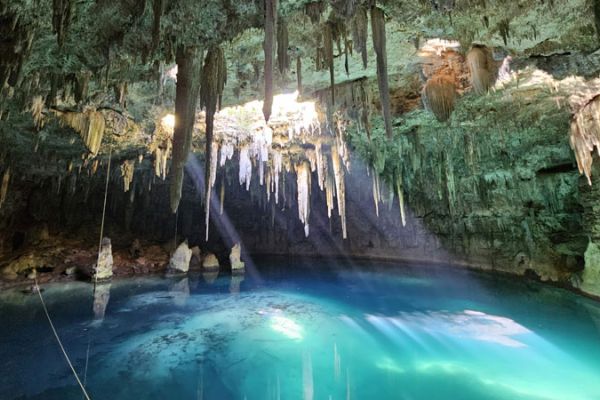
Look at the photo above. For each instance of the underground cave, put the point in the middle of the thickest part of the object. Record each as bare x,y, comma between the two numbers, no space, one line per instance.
300,199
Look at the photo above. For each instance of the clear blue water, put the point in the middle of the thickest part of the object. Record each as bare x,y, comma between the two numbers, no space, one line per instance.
312,332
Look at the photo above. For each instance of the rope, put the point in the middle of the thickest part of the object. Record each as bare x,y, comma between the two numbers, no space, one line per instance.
103,212
39,292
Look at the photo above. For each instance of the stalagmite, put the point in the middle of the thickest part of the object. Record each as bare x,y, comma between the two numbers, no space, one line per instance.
127,170
4,186
378,33
481,68
270,23
303,179
189,62
440,94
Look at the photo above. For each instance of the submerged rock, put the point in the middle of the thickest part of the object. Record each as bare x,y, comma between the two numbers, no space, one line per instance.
210,261
101,298
104,267
180,260
237,266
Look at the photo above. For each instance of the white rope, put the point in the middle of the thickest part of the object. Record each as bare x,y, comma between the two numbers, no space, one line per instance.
103,213
39,292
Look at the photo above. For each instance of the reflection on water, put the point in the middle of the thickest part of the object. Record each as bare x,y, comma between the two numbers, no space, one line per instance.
334,336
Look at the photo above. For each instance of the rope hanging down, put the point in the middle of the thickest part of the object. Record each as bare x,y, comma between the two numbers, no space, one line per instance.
39,292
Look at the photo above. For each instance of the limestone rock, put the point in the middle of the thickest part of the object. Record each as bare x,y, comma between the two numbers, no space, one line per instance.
591,273
210,261
104,266
234,258
180,260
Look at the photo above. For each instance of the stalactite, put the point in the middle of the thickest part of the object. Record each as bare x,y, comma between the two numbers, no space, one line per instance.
378,33
299,74
222,195
585,136
314,11
481,67
226,153
157,10
283,59
37,112
186,95
277,163
245,174
61,17
303,179
329,190
90,124
4,186
328,55
270,23
400,191
376,190
127,170
340,187
359,26
440,94
214,76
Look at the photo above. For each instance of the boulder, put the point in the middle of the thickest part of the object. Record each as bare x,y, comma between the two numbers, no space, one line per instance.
103,269
237,266
180,260
210,261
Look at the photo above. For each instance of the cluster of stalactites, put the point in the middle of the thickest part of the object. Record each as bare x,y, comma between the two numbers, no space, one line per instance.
585,136
482,69
439,95
127,170
90,124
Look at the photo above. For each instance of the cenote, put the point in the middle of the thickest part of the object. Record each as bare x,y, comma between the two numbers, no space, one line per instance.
299,199
317,330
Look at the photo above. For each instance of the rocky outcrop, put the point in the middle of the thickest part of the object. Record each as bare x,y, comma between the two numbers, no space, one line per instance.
180,260
237,266
210,262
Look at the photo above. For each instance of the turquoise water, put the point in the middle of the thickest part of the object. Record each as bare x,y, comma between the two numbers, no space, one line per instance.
305,332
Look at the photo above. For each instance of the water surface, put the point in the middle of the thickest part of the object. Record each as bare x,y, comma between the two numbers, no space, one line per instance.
312,331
